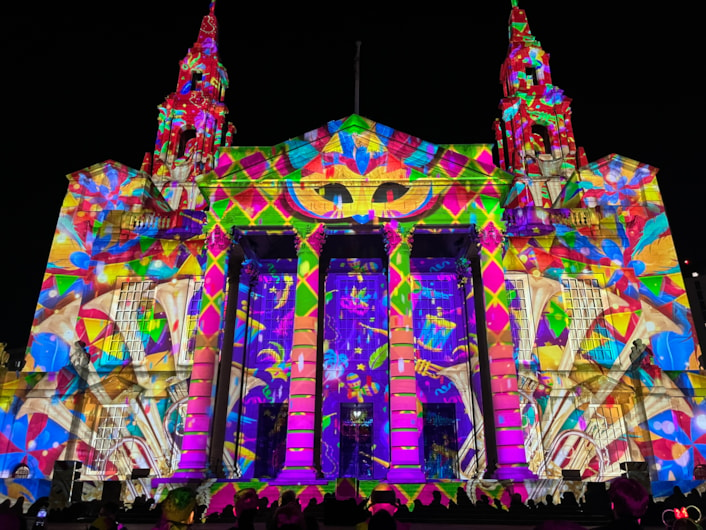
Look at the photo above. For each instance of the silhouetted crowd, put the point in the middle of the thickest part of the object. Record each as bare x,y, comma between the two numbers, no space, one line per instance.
625,505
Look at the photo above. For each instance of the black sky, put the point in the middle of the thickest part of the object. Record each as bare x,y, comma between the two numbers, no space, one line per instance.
82,82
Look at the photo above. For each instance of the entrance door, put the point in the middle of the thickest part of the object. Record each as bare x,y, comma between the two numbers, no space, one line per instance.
271,439
357,440
440,447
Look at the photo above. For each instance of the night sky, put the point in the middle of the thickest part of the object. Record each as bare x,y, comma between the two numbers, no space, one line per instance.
82,82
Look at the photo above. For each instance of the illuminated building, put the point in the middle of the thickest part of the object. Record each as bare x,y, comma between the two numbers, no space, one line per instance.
359,303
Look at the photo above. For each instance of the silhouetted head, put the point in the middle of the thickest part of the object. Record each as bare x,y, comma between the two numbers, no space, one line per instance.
628,497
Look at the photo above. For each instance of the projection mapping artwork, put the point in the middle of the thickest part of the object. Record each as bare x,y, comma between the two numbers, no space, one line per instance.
361,304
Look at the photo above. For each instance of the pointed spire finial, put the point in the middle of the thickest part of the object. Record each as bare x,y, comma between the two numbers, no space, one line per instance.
212,7
512,2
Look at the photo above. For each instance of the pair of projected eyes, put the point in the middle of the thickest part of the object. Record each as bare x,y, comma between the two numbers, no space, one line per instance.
338,193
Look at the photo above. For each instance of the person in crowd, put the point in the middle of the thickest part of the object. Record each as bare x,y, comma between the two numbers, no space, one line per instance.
289,516
685,524
382,520
628,501
107,517
382,499
246,507
177,510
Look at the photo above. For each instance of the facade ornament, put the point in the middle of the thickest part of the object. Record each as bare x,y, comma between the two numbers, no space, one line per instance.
217,241
489,235
249,272
395,235
315,239
463,269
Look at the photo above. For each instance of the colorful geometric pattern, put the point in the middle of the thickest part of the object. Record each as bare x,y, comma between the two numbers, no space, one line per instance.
589,398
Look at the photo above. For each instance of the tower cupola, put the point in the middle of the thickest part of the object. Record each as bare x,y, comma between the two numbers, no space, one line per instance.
534,133
192,120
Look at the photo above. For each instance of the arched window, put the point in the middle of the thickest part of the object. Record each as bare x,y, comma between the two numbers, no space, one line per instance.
531,76
184,137
540,139
196,78
21,471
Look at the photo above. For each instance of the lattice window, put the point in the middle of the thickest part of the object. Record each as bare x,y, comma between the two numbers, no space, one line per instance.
522,324
191,320
585,303
107,434
176,425
357,309
272,318
607,427
437,310
133,311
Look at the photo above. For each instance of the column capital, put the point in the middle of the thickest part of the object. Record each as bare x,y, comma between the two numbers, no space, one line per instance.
249,272
217,240
463,268
313,239
490,236
396,235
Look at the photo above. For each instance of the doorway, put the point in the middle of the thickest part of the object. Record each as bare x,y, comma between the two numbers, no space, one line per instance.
357,440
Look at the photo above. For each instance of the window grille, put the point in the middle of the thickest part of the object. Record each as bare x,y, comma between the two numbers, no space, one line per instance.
272,318
133,311
191,320
585,305
437,309
358,308
607,428
177,433
108,433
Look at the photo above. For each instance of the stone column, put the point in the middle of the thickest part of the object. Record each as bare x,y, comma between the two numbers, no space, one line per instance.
299,464
405,424
194,461
506,419
238,365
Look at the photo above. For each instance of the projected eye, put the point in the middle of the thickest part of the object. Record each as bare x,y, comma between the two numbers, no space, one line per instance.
335,193
389,191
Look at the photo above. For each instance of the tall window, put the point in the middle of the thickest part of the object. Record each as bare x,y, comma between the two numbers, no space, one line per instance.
272,318
588,334
176,421
355,312
191,320
607,428
133,310
107,434
437,309
521,323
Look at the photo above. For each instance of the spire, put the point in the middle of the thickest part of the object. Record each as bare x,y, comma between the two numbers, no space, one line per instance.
535,136
192,120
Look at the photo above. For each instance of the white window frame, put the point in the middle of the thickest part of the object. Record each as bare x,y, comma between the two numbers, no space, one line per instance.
528,331
580,295
605,426
191,323
127,331
111,420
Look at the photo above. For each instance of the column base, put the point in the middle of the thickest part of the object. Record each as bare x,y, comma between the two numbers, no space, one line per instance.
406,476
297,476
514,473
189,475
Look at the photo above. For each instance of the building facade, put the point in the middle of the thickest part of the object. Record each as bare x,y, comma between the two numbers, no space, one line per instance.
358,304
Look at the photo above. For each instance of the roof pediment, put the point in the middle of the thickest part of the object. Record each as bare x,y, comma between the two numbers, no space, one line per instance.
354,169
359,147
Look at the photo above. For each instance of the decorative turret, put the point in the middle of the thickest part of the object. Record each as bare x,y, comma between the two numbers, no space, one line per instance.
192,121
534,135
